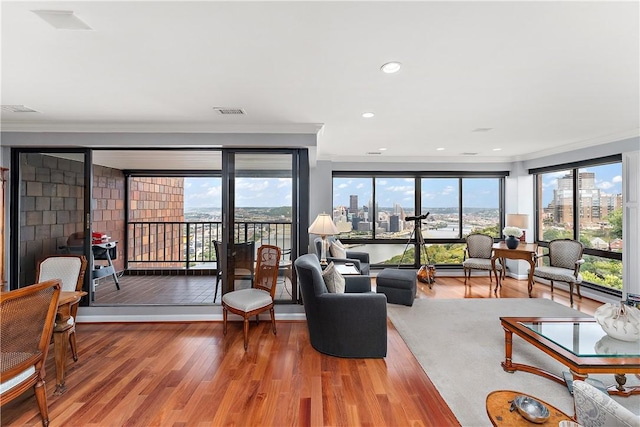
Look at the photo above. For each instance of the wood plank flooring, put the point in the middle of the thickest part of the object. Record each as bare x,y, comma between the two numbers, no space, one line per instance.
189,374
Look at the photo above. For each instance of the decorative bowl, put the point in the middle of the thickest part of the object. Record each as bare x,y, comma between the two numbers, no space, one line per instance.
531,409
621,322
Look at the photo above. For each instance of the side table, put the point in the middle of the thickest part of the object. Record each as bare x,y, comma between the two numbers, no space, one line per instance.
499,403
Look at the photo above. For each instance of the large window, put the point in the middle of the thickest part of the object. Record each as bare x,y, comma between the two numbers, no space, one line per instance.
584,202
371,213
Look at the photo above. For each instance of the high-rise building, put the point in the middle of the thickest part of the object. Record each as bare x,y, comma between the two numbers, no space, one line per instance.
394,223
353,204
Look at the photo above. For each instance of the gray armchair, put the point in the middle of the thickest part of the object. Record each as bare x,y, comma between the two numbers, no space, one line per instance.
350,324
359,259
565,260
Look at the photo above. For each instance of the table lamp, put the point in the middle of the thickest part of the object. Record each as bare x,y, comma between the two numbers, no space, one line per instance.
323,226
521,221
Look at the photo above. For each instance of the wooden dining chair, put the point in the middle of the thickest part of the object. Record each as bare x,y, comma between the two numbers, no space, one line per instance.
27,316
258,298
70,270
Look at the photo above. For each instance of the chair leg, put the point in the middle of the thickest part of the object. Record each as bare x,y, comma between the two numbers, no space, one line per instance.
464,270
215,293
224,320
72,343
578,290
41,398
551,285
246,333
273,320
571,293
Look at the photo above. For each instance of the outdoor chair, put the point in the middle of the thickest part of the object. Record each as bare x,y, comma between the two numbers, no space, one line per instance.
258,298
477,256
27,316
70,269
565,260
243,261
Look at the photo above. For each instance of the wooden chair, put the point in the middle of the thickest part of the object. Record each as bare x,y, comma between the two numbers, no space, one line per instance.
258,298
477,255
70,270
27,316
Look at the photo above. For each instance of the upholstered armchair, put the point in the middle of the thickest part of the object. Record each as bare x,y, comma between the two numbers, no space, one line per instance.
359,259
565,260
349,324
477,255
596,409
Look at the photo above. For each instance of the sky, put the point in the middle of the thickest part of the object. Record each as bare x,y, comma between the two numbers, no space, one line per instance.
250,192
436,192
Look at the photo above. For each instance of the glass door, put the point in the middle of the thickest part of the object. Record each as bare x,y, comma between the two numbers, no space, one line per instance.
50,209
260,211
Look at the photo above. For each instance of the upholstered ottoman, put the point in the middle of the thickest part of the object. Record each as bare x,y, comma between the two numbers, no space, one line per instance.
398,285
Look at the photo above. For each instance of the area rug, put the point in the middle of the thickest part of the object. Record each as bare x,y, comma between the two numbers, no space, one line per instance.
460,344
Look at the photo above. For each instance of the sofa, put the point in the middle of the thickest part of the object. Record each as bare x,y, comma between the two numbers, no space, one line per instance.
359,259
596,409
352,324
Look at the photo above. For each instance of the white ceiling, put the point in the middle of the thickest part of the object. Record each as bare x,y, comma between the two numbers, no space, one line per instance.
546,77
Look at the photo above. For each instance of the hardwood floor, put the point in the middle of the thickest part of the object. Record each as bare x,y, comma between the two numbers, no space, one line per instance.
189,374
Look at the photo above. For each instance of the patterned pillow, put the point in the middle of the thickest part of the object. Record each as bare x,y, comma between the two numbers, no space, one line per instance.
333,279
337,250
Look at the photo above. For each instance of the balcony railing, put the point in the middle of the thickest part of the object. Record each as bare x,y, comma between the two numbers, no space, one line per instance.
185,245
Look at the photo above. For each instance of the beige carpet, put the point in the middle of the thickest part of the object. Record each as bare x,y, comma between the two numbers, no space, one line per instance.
460,345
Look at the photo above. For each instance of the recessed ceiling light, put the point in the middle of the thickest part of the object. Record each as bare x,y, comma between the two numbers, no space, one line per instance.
440,149
497,149
62,19
382,149
368,115
391,67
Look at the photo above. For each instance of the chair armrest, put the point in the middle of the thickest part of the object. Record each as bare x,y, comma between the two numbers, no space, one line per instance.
348,308
576,269
361,256
357,284
536,257
580,261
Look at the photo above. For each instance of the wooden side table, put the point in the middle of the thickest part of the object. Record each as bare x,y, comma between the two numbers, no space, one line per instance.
499,403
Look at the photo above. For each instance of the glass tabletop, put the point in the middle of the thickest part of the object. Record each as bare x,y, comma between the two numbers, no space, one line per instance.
584,339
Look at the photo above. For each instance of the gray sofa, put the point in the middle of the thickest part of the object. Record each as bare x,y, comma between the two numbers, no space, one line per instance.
352,324
359,259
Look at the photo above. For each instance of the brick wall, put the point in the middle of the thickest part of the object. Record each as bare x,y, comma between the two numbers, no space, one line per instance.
107,208
156,200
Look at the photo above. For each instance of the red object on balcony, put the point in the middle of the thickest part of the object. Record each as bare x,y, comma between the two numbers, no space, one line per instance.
98,237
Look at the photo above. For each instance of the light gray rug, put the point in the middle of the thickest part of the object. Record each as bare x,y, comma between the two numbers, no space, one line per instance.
460,345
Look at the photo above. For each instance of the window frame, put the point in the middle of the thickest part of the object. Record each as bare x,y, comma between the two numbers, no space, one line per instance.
575,167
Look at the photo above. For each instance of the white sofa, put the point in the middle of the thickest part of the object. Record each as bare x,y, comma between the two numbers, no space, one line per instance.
596,409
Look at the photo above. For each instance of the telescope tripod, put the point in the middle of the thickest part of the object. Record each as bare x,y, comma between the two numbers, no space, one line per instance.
427,272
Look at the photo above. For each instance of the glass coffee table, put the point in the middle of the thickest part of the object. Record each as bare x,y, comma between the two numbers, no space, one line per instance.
578,343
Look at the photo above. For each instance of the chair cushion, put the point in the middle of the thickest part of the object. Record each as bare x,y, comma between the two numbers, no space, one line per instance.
247,299
337,250
556,273
480,264
333,279
9,384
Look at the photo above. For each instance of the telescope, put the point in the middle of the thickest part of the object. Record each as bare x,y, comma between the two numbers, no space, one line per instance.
416,218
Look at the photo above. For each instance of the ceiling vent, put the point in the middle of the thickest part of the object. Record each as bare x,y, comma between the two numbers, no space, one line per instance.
482,129
469,154
17,109
229,111
62,19
373,152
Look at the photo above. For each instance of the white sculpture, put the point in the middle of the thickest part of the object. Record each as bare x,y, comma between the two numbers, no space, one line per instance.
619,321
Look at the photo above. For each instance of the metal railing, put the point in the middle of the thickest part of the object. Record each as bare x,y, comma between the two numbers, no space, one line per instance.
185,245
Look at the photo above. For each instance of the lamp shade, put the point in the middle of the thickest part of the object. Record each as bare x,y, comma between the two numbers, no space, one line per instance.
518,220
323,226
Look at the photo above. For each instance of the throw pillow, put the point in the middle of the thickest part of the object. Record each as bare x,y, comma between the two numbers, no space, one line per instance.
333,279
337,250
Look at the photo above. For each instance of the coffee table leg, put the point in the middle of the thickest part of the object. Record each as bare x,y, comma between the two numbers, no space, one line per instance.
493,267
507,365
